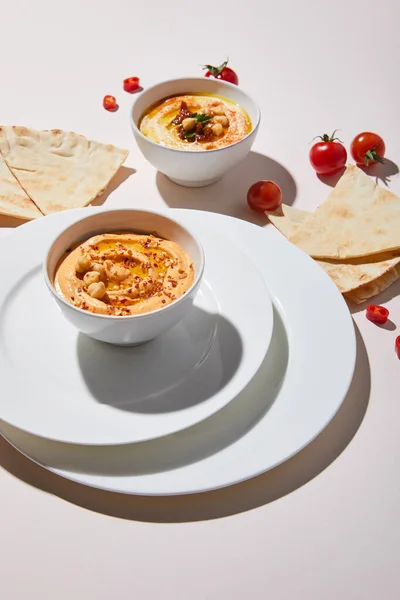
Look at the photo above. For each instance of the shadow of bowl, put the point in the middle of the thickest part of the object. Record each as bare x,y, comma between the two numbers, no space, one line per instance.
183,367
228,195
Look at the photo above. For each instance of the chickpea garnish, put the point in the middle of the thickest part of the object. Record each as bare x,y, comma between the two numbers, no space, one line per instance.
221,119
121,273
91,277
98,267
97,290
217,129
83,264
188,123
218,110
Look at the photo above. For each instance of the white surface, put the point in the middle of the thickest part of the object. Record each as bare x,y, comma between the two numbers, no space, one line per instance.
326,523
292,398
195,168
96,393
123,331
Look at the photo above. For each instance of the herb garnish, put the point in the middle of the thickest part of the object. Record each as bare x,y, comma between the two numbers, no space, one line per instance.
201,118
198,131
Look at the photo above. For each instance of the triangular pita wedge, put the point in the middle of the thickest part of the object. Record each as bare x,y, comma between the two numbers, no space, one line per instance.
358,278
57,169
13,200
358,218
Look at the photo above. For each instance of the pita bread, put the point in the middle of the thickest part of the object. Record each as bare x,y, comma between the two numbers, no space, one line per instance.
358,219
359,278
13,200
375,287
57,169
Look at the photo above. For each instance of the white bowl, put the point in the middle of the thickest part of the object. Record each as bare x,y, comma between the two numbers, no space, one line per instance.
201,167
135,329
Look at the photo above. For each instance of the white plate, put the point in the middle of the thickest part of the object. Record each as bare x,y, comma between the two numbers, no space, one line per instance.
295,394
62,385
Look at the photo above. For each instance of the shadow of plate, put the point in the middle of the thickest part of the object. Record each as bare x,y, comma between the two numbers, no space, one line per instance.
259,491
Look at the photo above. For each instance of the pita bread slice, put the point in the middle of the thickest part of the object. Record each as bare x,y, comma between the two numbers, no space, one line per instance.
368,290
357,219
57,169
359,278
13,200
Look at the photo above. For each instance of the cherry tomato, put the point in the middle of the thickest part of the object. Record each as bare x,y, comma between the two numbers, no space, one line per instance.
328,156
367,148
222,72
264,195
110,103
397,346
131,84
377,314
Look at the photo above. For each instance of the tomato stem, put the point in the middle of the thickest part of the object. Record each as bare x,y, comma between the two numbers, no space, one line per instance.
328,138
373,155
215,71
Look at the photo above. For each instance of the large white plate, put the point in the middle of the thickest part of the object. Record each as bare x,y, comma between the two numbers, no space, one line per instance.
297,391
62,385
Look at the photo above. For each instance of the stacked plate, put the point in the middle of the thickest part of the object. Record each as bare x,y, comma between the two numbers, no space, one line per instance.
255,370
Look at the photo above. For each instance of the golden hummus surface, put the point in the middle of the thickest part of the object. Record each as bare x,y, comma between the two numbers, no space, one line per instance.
124,274
195,122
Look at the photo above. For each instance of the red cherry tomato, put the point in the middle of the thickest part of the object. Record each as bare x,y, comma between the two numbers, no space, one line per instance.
367,148
377,314
110,103
264,195
222,72
328,156
131,84
397,346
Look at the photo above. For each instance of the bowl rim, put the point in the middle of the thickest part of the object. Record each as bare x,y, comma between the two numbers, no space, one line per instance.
203,152
118,318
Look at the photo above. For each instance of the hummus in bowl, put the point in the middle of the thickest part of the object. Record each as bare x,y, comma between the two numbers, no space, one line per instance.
194,129
119,284
124,274
195,122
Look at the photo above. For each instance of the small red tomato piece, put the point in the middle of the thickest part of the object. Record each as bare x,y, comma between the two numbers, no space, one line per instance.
397,346
110,103
328,156
222,72
264,195
377,314
367,148
131,84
